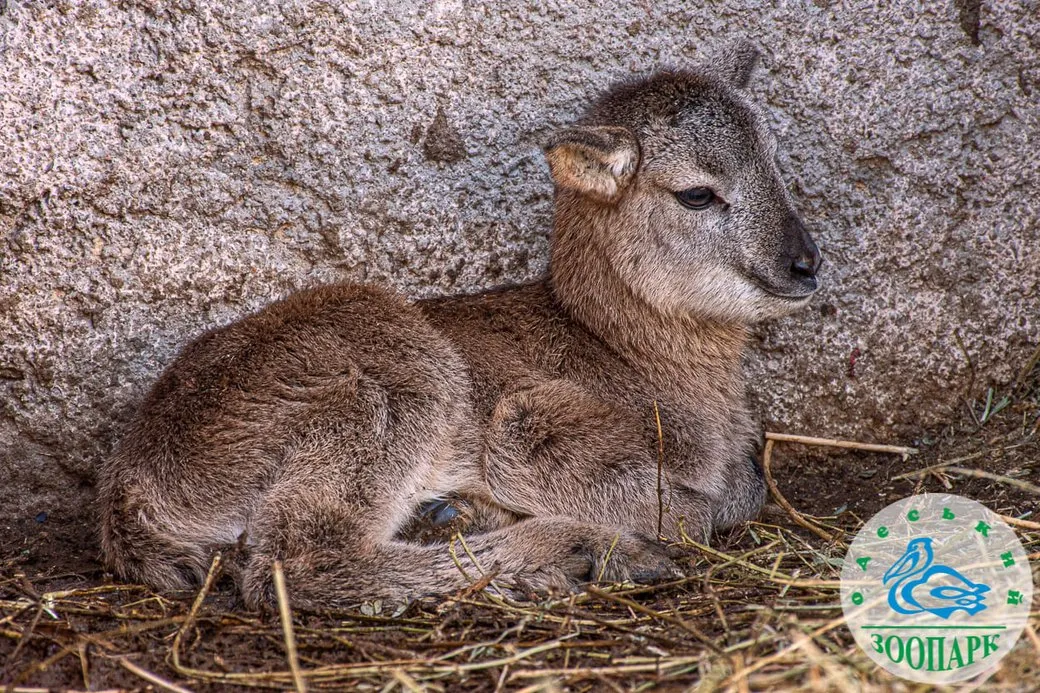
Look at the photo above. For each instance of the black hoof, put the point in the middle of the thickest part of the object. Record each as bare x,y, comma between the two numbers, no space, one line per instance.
439,512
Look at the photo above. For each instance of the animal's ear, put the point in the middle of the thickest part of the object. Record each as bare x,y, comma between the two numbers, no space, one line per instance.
735,61
595,161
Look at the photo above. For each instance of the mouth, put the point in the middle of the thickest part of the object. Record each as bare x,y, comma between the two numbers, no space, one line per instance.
804,290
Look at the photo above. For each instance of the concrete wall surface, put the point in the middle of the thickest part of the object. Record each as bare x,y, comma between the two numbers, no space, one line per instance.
169,165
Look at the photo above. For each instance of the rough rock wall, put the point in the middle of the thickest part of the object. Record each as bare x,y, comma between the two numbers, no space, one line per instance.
166,166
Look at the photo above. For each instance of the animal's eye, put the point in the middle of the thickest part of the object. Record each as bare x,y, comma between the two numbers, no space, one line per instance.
696,198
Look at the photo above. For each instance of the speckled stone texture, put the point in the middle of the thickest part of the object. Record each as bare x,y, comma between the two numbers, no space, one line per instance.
167,166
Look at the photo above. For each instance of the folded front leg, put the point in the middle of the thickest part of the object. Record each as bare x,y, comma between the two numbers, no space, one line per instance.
555,449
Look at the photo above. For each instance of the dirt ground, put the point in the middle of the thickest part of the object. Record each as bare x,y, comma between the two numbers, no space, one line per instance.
758,611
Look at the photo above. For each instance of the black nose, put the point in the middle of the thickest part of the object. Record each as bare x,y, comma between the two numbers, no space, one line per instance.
806,256
807,265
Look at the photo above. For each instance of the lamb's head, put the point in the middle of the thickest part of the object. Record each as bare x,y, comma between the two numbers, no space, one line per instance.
674,180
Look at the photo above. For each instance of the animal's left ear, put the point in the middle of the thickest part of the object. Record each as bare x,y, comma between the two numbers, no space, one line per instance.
595,161
735,62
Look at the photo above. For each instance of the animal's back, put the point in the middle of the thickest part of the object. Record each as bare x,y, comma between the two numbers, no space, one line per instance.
216,429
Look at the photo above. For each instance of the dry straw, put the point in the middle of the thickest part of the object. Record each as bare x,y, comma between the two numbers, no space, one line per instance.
759,610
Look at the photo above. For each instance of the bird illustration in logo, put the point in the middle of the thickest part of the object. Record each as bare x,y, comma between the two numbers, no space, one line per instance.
943,590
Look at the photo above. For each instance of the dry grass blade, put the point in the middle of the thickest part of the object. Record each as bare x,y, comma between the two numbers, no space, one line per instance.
285,613
798,644
33,689
151,678
666,618
836,678
772,574
981,474
406,681
193,612
663,665
606,558
660,470
759,610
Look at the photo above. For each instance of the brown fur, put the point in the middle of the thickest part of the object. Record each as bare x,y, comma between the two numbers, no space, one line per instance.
316,430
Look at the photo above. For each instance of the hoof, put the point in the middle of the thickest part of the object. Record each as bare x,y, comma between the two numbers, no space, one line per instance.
439,512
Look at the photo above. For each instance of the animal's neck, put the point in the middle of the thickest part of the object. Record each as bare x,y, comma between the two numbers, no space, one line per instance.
671,349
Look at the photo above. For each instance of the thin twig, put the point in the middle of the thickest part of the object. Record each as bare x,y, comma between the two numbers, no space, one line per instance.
1027,369
45,664
660,471
151,678
978,473
970,387
287,628
834,443
799,519
27,633
940,466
